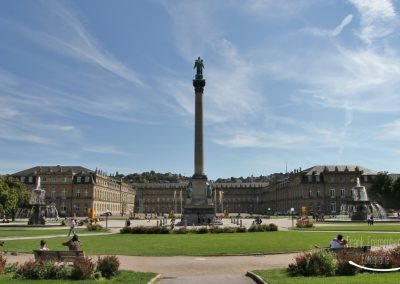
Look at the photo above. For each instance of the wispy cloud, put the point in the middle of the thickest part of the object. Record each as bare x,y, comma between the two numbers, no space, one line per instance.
70,37
230,95
378,18
345,22
103,149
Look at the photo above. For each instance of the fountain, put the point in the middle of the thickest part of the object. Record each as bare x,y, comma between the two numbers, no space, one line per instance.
361,207
37,201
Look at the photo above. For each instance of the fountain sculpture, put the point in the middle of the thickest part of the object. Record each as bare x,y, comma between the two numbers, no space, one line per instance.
361,207
37,201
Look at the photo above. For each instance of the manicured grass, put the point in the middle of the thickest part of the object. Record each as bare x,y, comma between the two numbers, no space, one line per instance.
382,228
280,276
123,277
25,232
205,244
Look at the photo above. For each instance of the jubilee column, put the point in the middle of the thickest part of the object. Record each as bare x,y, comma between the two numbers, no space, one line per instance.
198,84
199,207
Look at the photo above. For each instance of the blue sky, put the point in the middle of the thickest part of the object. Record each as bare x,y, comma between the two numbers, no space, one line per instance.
108,84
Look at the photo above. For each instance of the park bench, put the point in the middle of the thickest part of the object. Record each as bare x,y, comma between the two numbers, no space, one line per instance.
350,249
58,255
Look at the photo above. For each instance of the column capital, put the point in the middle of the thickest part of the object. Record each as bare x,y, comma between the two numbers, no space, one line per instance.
199,84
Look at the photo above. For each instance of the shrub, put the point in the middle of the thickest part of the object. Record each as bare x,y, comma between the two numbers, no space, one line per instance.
83,269
144,230
241,230
182,230
94,227
108,266
229,229
304,223
343,266
3,261
273,227
41,270
321,263
216,230
202,230
253,228
126,230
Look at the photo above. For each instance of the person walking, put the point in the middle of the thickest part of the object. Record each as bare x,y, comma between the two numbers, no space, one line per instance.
71,227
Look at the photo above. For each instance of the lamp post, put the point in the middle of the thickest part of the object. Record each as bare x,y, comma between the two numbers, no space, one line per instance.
269,209
180,196
107,214
292,211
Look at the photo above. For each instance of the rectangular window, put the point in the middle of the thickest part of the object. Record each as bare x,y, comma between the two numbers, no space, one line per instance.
78,179
22,179
342,193
317,179
365,178
78,193
30,179
63,208
53,194
64,193
87,179
333,207
309,178
65,179
86,193
332,193
310,194
318,193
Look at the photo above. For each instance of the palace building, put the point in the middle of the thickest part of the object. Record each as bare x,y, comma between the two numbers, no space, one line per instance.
75,189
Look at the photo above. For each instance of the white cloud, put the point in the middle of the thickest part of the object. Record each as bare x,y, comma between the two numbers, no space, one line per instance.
69,37
378,18
103,149
346,21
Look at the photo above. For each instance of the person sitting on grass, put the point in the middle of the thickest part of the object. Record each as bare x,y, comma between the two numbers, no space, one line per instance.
43,245
339,242
73,244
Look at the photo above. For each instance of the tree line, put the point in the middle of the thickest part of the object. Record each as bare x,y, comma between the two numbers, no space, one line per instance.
13,195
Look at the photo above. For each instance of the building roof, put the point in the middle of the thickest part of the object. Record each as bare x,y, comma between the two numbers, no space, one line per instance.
316,170
52,169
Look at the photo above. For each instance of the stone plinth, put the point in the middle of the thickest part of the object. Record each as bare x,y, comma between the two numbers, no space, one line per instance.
199,214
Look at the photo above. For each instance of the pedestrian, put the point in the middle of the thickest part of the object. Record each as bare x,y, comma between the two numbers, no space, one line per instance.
71,227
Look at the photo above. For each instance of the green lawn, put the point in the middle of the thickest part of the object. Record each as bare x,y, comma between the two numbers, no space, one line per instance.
205,244
383,228
24,232
123,277
280,276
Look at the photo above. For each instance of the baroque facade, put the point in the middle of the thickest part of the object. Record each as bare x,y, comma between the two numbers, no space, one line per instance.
319,189
74,189
165,197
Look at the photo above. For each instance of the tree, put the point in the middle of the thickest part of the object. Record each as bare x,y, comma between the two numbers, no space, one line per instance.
382,184
396,190
8,198
13,195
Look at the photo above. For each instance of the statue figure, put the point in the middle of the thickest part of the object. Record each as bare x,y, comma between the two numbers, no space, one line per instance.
189,191
209,190
198,64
